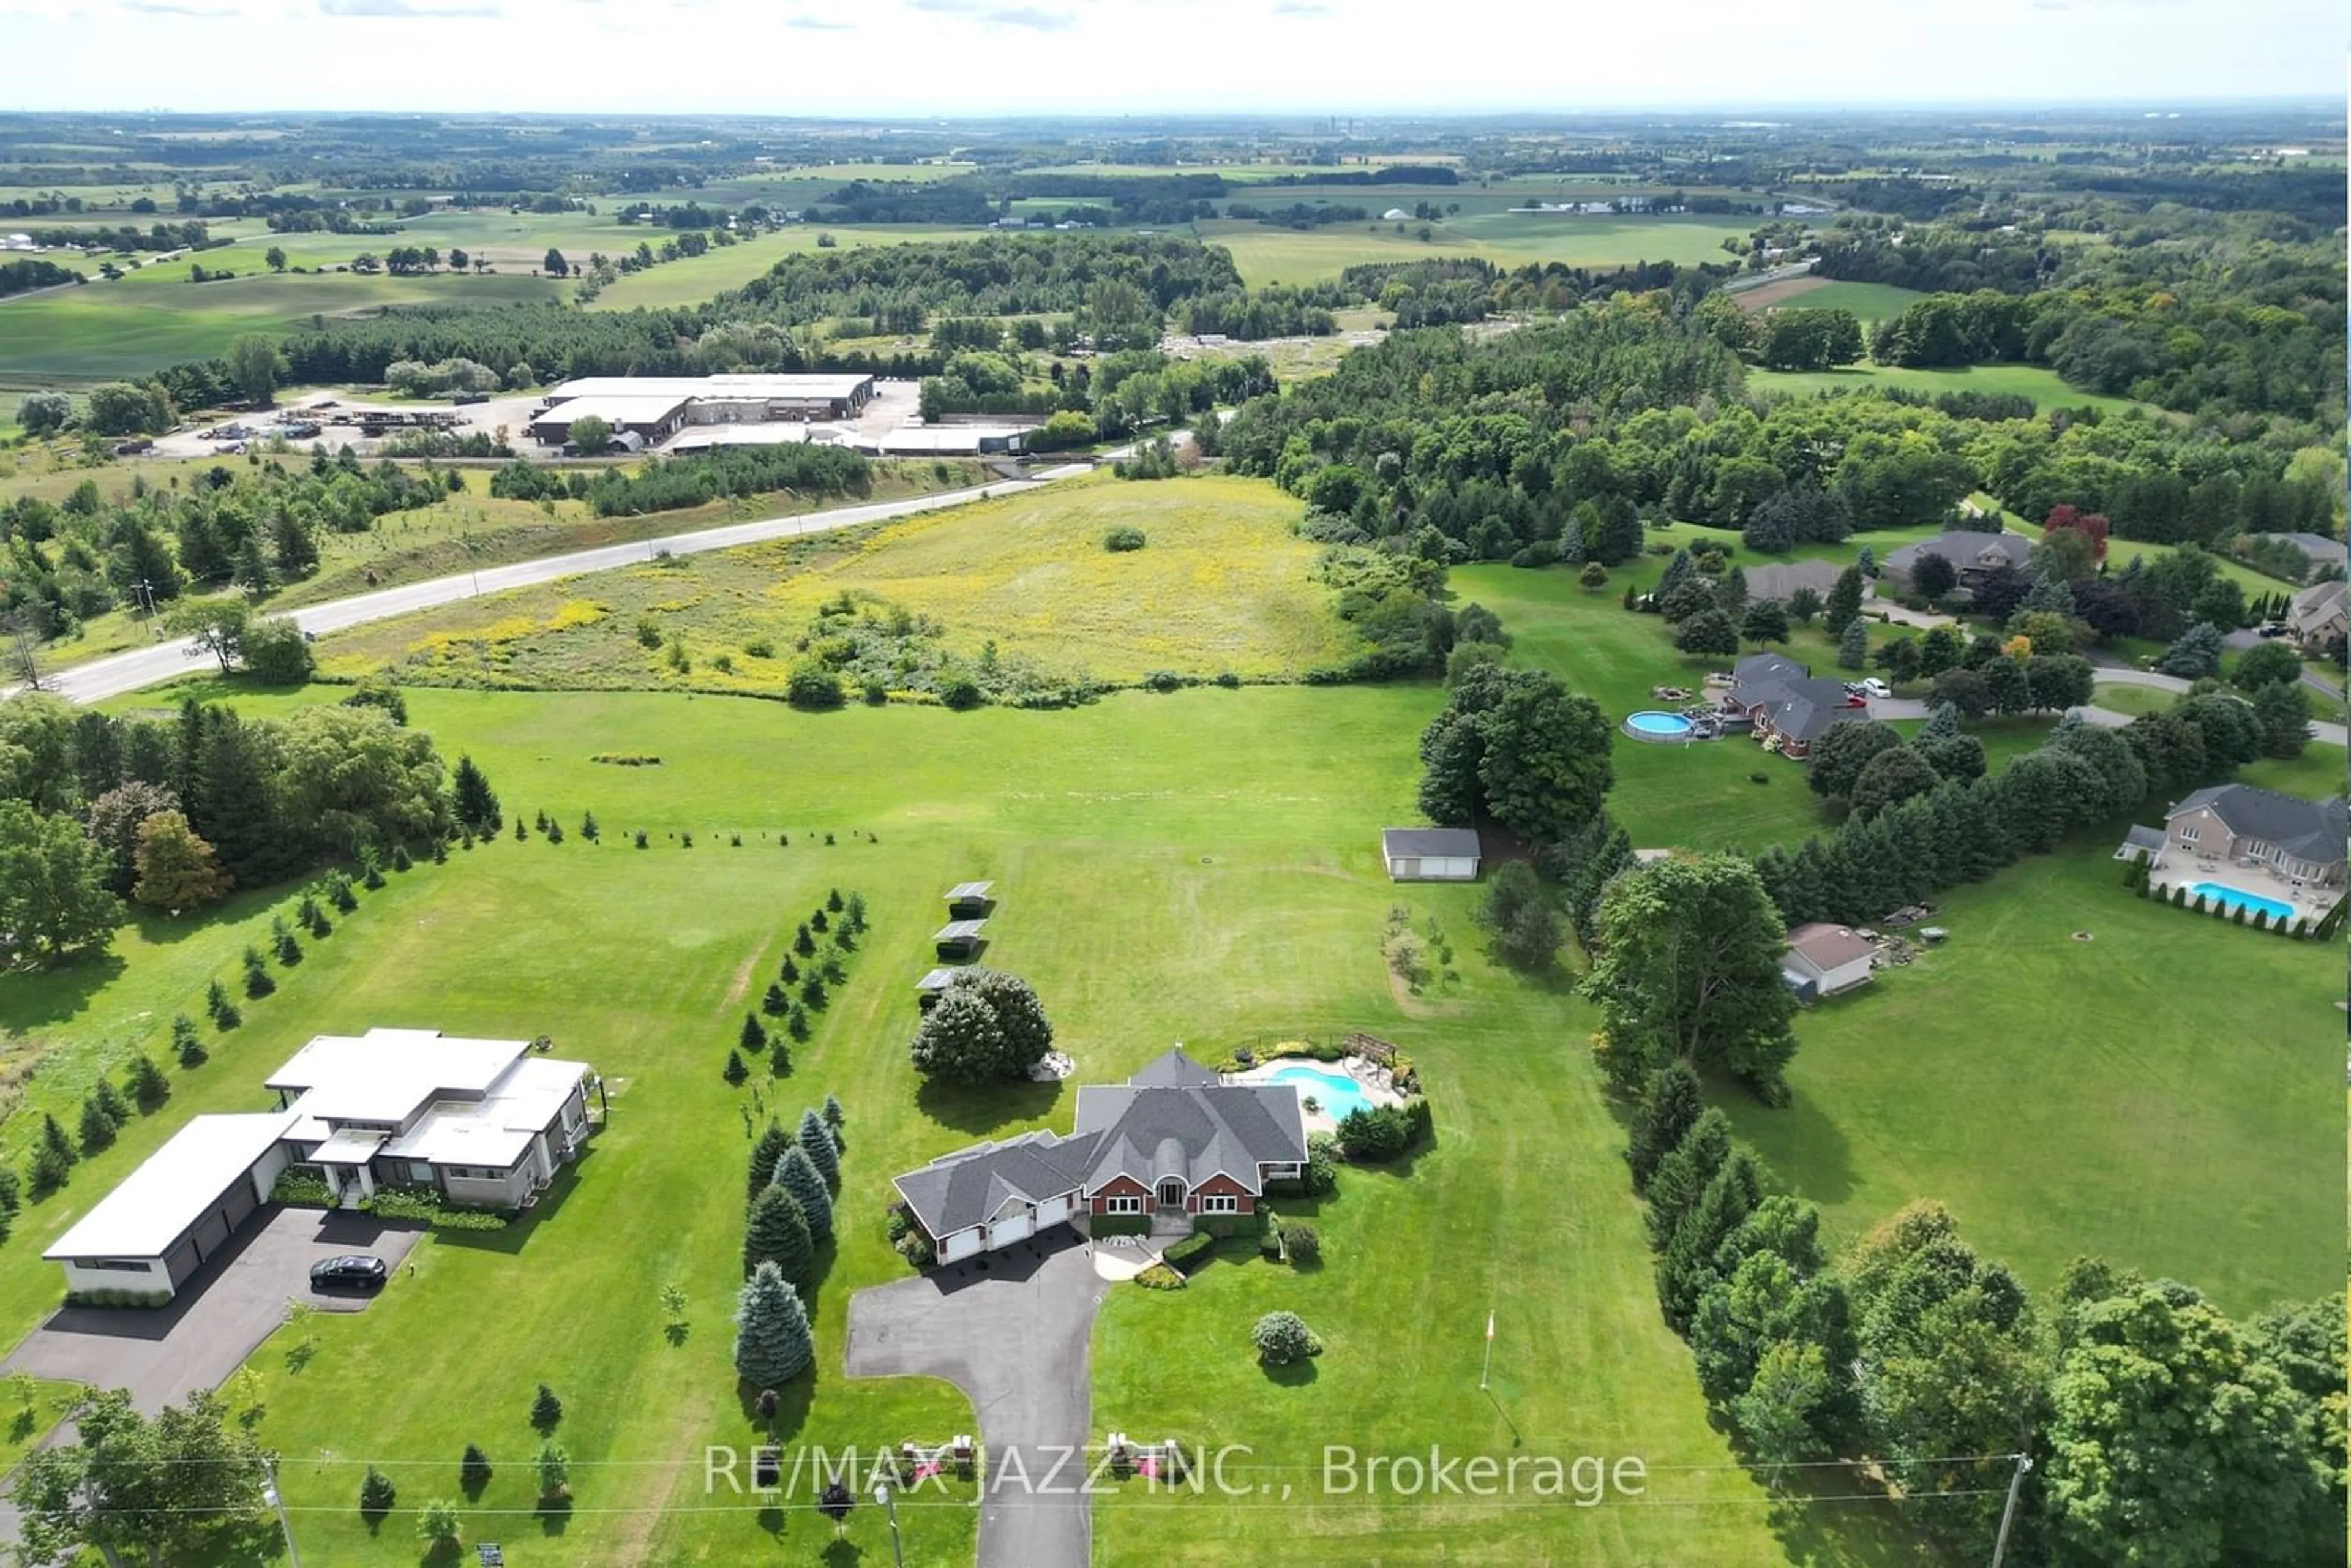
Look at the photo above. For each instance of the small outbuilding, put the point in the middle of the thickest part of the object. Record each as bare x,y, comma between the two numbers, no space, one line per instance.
928,988
1824,959
1430,854
969,900
959,939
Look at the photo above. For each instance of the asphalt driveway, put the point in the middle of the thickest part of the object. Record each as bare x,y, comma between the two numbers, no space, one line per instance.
1015,1338
228,1308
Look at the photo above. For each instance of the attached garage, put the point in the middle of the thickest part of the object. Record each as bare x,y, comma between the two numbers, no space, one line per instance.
1430,854
1016,1226
149,1234
961,1245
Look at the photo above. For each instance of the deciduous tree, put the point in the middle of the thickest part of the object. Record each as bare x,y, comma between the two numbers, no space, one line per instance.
174,868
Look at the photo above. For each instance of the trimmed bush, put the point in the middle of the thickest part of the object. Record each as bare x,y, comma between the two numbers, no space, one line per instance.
1160,1277
1283,1338
424,1204
1302,1243
1200,1244
295,1190
1120,540
1121,1225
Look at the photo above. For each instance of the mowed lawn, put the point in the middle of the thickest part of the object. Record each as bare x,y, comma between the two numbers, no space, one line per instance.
104,330
1199,866
1868,301
1221,585
2161,1095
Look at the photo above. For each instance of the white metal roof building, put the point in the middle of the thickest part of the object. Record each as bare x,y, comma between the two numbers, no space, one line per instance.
485,1120
844,389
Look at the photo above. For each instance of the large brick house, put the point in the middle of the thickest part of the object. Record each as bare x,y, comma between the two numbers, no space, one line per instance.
1174,1139
1786,706
2299,842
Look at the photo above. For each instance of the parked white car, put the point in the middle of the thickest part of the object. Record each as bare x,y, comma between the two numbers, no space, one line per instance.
1873,687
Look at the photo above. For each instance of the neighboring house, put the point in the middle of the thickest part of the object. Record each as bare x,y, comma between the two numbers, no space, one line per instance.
2323,553
1971,555
2317,617
1786,706
2300,839
485,1122
1824,959
1779,580
1430,854
1174,1139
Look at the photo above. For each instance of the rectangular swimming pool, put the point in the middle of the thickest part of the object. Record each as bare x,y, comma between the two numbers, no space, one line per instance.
2227,897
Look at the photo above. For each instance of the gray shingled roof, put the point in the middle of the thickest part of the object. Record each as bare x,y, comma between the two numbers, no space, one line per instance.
2140,838
1779,579
2312,830
1961,547
1801,706
2314,547
2318,603
1432,843
1174,1117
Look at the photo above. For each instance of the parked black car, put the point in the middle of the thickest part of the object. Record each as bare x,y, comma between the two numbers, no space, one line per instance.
354,1271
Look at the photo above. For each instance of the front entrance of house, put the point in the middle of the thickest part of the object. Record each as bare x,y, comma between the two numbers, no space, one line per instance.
1171,1193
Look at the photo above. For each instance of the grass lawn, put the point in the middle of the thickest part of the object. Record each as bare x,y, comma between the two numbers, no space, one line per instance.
106,330
2037,383
2133,700
1198,866
1228,588
2161,1095
1868,301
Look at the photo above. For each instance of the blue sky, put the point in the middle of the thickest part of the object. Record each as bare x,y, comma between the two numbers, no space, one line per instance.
1029,57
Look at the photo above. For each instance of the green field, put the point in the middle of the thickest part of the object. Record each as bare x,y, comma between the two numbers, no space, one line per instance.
1868,301
104,331
690,280
1268,255
1230,589
2044,386
2157,1096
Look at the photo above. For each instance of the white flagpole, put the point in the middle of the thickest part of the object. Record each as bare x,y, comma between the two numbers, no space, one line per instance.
1490,1351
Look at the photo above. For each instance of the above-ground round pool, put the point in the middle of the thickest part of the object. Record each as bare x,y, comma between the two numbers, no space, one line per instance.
1334,1092
1652,725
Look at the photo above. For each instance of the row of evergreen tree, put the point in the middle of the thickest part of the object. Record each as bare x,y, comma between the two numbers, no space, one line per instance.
794,1184
804,984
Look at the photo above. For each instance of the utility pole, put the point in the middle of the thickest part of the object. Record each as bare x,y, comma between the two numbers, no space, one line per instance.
880,1495
2008,1513
269,1494
24,647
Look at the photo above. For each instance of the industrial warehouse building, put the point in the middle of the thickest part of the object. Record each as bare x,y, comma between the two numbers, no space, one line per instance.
485,1122
654,408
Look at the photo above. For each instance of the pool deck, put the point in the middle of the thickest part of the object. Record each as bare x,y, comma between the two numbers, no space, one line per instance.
1691,732
1369,1079
2306,903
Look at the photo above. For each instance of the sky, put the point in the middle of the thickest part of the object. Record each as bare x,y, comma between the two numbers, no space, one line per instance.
903,58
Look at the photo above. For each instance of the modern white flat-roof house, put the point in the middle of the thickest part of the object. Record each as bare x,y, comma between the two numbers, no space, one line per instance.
484,1122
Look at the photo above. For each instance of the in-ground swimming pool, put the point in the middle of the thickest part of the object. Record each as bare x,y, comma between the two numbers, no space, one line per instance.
2227,897
1661,726
1335,1092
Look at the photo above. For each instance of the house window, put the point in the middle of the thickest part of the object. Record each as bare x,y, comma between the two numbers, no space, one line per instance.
2187,833
1219,1203
1122,1206
115,1265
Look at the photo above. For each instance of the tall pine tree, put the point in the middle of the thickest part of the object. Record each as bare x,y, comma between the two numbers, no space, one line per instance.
778,1233
796,1174
821,1151
772,1343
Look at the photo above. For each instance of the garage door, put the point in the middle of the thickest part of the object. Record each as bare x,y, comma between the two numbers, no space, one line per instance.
241,1202
183,1262
962,1244
212,1230
1005,1232
1052,1211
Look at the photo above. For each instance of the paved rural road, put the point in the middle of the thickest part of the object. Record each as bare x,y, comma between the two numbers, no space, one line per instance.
119,673
1015,1339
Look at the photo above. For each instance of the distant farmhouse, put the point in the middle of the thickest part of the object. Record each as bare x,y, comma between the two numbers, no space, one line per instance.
1784,703
1174,1139
1971,555
483,1122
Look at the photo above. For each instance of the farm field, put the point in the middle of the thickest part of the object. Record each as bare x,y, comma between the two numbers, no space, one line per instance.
691,279
1197,867
1269,255
2044,386
1868,301
1229,590
102,332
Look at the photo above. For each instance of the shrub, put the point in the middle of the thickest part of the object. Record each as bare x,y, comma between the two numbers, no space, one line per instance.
1283,1338
295,1190
377,1494
1302,1243
428,1205
915,1248
1163,681
437,1525
546,1410
736,1072
1121,1225
1196,1245
1160,1277
1374,1133
1122,539
960,692
111,1297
